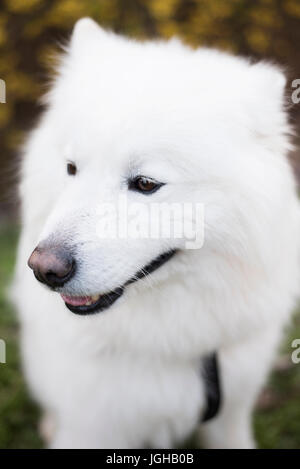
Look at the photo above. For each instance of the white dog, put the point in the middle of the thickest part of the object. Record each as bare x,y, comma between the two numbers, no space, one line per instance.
115,357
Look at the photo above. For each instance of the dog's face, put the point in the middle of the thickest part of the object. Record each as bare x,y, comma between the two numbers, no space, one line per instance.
153,123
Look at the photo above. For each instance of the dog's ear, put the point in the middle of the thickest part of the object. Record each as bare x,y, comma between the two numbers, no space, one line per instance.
268,104
270,81
85,31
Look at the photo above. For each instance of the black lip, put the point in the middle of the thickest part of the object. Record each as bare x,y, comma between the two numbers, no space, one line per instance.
105,301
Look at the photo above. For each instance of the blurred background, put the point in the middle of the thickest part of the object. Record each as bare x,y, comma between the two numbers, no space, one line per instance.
30,31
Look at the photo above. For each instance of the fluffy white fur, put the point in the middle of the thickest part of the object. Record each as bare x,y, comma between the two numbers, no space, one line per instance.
214,128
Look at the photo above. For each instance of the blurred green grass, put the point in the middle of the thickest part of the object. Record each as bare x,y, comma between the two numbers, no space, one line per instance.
276,421
18,415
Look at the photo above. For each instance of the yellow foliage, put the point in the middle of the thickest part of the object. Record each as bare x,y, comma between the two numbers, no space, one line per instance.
226,45
162,9
47,55
3,35
14,139
292,7
5,114
258,39
266,17
168,29
29,29
22,6
20,85
7,63
219,8
35,27
65,12
106,11
201,24
282,48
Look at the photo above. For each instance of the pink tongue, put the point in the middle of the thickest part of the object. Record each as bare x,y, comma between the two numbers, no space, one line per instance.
76,300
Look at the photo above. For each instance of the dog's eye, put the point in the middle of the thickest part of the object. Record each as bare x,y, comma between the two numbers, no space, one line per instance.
71,169
144,184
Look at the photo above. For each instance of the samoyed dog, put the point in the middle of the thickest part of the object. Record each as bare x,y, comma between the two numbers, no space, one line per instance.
117,330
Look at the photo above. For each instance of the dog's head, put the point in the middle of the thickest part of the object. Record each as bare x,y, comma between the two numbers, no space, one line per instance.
149,124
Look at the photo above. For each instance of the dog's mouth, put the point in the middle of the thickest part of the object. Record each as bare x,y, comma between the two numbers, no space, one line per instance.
91,304
85,305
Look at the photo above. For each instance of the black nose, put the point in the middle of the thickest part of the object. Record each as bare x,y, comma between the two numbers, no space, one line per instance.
52,265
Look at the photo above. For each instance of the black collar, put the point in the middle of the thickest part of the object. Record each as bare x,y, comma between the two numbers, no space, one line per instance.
212,386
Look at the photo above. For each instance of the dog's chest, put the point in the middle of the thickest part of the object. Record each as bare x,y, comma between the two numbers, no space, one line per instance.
161,401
